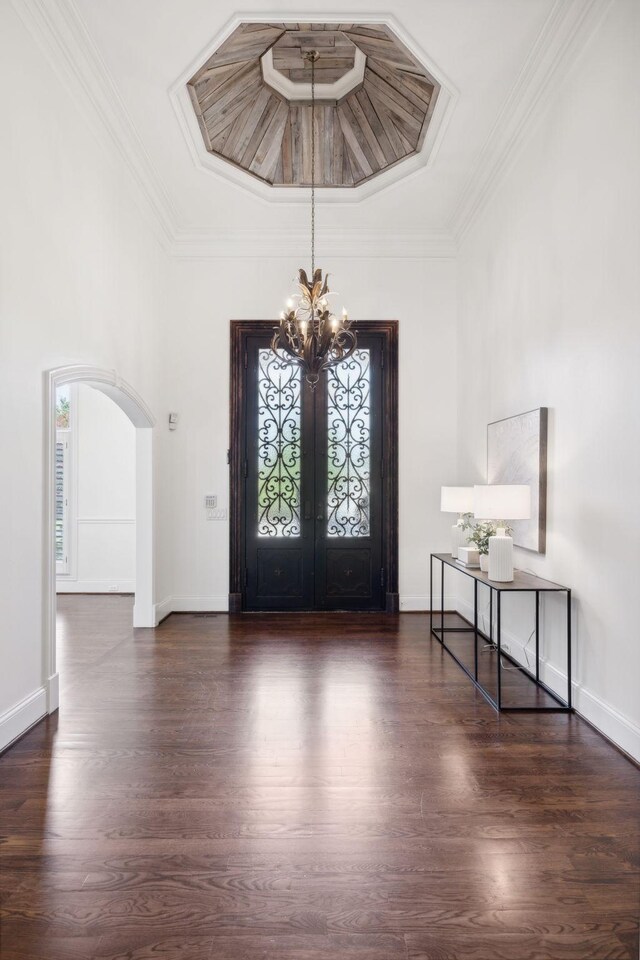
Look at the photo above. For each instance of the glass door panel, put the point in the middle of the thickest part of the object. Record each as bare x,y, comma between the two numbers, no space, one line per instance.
312,482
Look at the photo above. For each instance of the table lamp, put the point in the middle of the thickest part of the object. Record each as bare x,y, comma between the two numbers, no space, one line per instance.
457,500
501,502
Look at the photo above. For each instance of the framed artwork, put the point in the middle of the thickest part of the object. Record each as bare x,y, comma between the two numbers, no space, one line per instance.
517,453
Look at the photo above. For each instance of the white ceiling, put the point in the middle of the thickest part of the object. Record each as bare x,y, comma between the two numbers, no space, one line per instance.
485,48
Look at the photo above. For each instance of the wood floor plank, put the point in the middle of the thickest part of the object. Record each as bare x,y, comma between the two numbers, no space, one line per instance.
305,788
589,946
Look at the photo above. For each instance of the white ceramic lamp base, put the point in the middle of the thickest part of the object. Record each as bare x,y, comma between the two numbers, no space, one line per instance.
458,539
501,559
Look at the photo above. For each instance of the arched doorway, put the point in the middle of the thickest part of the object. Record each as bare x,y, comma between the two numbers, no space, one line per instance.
109,383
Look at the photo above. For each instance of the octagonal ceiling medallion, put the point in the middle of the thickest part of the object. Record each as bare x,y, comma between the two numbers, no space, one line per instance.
374,102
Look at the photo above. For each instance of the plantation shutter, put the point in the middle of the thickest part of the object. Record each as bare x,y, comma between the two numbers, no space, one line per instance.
61,504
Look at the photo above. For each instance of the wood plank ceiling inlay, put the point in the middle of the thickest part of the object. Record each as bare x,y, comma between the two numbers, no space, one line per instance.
337,54
375,125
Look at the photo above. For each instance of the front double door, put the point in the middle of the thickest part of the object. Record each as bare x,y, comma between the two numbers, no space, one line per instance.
313,479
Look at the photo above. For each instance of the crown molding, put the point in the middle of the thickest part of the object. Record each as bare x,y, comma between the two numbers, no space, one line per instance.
58,28
565,34
387,179
352,244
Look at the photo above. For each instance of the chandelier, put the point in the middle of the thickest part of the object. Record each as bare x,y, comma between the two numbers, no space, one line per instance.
309,334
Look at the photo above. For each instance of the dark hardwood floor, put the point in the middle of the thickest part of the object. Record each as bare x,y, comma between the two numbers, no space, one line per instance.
303,787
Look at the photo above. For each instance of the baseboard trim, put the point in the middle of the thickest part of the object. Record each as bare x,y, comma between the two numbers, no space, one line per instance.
95,586
17,720
162,610
190,605
421,603
200,604
144,616
608,721
53,693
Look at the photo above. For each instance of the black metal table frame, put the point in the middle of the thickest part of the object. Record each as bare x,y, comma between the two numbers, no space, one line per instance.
564,706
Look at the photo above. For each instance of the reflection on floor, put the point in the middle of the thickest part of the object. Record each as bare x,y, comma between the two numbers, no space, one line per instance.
301,787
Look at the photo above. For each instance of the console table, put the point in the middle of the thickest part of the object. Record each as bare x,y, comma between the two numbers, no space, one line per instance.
497,681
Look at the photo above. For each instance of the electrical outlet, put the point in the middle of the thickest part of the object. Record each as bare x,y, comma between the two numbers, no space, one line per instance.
219,514
506,647
113,588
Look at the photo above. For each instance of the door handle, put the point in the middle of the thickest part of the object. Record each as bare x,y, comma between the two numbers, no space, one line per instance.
320,516
308,515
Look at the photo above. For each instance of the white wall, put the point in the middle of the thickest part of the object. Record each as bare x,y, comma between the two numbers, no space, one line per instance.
206,295
103,497
549,316
81,282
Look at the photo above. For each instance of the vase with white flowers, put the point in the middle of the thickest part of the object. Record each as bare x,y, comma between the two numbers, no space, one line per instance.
479,537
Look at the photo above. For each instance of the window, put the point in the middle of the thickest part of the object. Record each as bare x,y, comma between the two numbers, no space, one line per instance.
279,447
62,471
349,451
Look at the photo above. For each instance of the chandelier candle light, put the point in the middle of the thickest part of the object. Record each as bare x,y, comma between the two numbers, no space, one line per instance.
309,334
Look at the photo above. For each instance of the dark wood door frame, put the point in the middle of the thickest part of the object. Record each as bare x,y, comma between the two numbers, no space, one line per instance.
239,330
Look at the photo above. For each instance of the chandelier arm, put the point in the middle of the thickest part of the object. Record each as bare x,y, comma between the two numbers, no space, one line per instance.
310,353
347,343
326,335
277,344
313,164
332,361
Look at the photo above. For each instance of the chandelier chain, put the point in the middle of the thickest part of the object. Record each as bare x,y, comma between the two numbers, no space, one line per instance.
309,334
313,165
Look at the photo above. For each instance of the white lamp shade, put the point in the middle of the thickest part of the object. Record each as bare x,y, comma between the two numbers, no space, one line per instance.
456,500
502,501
